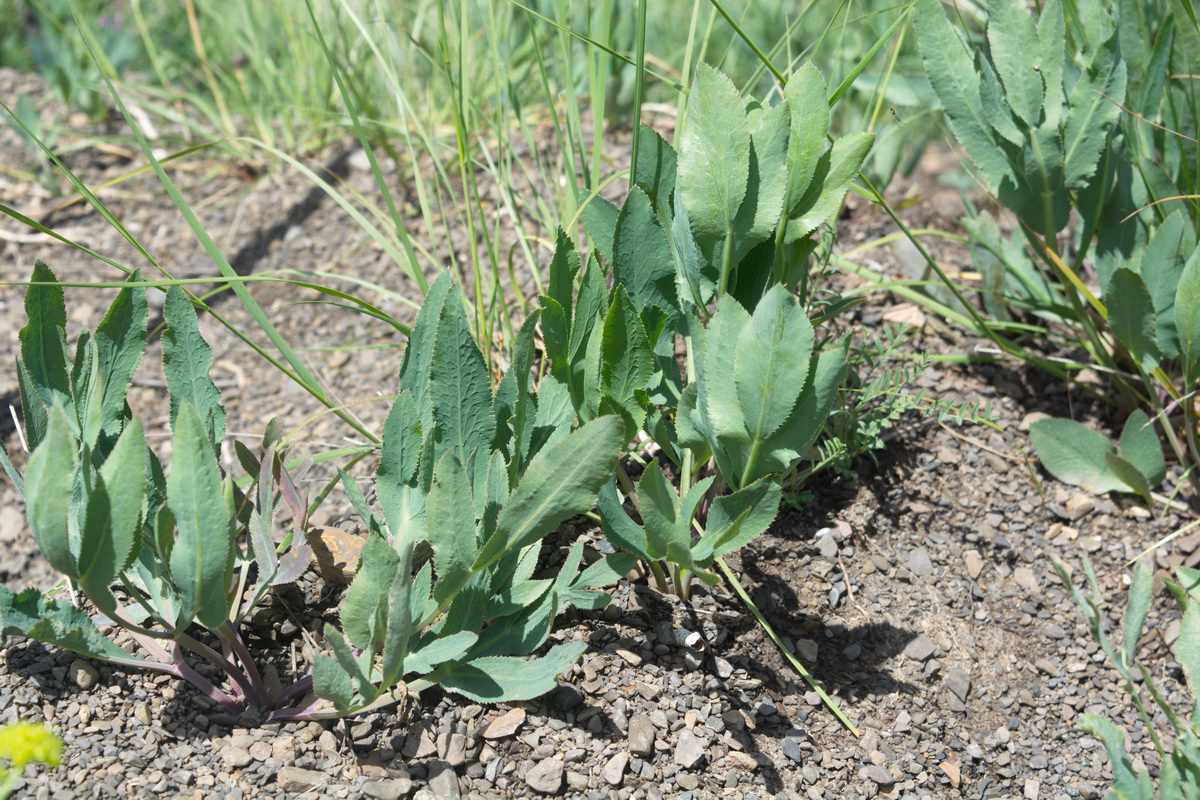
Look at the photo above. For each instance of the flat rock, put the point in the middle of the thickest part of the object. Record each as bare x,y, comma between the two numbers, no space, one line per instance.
689,750
953,772
614,770
1027,580
442,781
387,789
974,563
790,745
236,757
641,736
880,775
921,648
505,725
958,681
546,776
1079,506
919,563
298,779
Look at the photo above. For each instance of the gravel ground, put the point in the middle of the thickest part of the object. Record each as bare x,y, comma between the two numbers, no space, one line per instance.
918,592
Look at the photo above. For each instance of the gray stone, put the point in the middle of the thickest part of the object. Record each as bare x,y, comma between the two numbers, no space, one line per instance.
921,648
83,674
689,750
791,748
880,775
236,757
546,776
826,544
614,770
919,563
958,681
298,779
505,725
641,736
442,780
387,789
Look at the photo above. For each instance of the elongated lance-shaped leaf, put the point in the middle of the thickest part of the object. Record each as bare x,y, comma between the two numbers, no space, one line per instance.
600,219
43,362
1160,265
1126,782
718,357
501,679
956,83
1095,107
112,520
771,365
655,171
418,356
1131,316
836,169
352,666
59,624
49,484
660,512
1045,207
561,481
365,609
400,455
120,342
201,557
461,390
766,186
1187,318
1137,609
332,682
451,526
186,360
626,362
793,439
564,266
714,155
734,520
399,622
1052,48
618,526
438,650
642,260
807,99
1014,49
519,633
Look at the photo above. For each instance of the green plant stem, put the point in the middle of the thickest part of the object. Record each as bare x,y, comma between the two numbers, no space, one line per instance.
774,637
726,260
660,579
640,57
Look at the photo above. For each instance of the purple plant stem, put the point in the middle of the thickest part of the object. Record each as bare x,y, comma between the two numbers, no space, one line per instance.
203,684
296,690
230,669
231,636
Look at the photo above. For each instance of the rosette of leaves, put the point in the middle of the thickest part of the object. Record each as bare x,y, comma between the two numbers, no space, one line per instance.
104,511
1179,775
727,221
476,479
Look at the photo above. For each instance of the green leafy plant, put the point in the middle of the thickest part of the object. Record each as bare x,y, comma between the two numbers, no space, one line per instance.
1083,457
478,478
1048,138
23,743
1179,776
717,225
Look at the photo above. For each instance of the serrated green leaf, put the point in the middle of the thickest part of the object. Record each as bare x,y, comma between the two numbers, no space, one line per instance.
418,355
734,520
642,261
520,633
956,83
626,362
1075,455
561,481
995,105
1140,446
451,526
760,212
714,155
186,361
112,521
201,556
460,389
808,103
438,650
59,624
608,569
332,682
718,405
836,170
364,610
1131,316
656,167
43,355
501,679
771,362
1090,118
1160,265
617,525
792,440
395,476
698,276
120,341
660,512
1187,318
49,483
1014,49
1052,47
353,667
600,219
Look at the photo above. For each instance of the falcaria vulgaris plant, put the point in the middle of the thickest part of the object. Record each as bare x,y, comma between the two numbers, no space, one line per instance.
166,552
704,343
